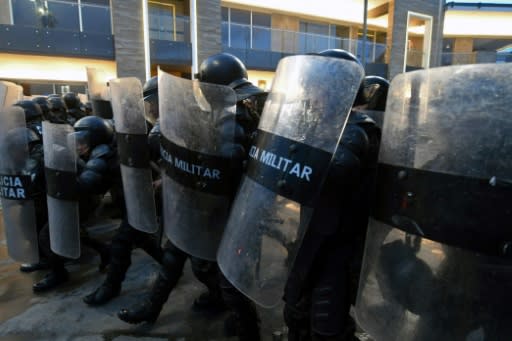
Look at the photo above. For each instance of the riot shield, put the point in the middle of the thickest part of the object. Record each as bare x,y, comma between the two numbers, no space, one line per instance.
302,121
197,123
16,192
437,262
60,159
10,93
99,94
132,144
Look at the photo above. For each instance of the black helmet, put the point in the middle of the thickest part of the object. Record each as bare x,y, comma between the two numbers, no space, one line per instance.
43,104
93,131
53,95
226,69
150,93
17,139
32,110
222,68
71,100
341,54
376,92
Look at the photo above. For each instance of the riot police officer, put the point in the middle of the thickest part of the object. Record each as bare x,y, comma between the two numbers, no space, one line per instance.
127,237
42,101
223,69
34,167
57,111
317,294
73,107
98,173
33,115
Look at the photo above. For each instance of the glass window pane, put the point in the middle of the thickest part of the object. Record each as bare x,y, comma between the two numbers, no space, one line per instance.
240,36
224,13
240,17
260,19
261,38
64,15
25,13
96,19
160,22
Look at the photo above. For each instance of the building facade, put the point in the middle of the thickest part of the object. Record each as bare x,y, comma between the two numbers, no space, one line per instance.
45,45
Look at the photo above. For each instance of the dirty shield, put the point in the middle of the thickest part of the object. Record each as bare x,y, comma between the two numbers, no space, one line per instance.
16,190
10,93
99,93
302,121
437,262
60,158
133,148
197,146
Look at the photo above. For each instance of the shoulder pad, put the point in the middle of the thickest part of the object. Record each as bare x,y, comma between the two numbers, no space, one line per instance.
100,151
355,139
97,165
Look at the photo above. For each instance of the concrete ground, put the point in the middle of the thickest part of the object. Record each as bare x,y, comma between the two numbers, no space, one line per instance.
61,314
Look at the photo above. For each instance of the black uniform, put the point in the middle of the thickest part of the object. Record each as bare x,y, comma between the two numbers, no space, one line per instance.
98,172
173,261
126,239
317,293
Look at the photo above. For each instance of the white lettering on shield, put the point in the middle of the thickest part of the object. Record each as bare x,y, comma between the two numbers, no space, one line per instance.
11,187
283,164
188,167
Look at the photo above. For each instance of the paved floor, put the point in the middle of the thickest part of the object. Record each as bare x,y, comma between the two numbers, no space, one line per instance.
61,314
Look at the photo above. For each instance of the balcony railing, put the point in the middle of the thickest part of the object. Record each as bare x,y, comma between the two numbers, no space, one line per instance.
475,58
56,27
293,42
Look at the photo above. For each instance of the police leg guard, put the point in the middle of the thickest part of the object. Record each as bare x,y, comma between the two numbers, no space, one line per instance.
244,322
207,272
148,310
120,253
150,243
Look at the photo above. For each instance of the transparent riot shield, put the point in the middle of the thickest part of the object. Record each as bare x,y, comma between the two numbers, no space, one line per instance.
16,189
437,262
302,121
10,93
197,123
60,160
99,93
132,144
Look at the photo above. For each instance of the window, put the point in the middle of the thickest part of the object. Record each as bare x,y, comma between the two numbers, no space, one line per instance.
74,15
375,48
96,16
245,29
313,37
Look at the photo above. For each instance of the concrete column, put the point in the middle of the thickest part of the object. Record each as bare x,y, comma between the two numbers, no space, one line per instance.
208,29
398,51
128,38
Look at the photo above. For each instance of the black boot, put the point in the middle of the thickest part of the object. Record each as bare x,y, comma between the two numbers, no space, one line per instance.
52,279
244,320
103,294
171,270
41,265
207,272
150,308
